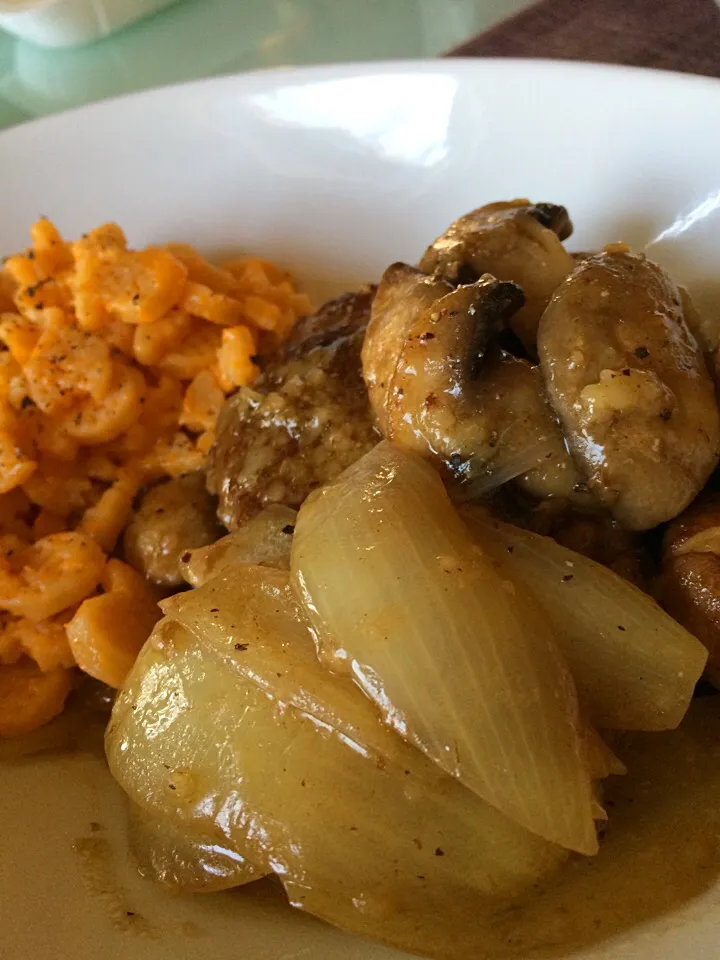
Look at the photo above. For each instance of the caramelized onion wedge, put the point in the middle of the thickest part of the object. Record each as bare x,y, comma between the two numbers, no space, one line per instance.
381,843
634,666
456,658
170,855
601,760
264,539
251,619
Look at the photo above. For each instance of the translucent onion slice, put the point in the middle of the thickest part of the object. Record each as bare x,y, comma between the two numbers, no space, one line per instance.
265,539
251,619
634,666
602,762
458,659
380,843
168,854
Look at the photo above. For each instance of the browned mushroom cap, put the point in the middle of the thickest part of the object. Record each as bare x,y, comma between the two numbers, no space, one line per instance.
513,240
402,296
439,386
175,516
689,585
630,386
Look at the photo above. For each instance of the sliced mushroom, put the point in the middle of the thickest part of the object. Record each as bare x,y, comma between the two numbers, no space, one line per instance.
689,585
402,296
513,240
630,386
439,385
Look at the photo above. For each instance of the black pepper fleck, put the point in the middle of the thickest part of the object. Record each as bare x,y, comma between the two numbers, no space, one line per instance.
289,529
641,353
241,646
568,577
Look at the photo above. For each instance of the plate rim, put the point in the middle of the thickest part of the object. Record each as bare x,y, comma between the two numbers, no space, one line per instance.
263,77
246,83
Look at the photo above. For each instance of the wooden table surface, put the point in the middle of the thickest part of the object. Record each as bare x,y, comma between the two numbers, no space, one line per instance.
679,35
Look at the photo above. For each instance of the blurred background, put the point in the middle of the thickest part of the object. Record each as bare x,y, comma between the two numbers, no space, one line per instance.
197,38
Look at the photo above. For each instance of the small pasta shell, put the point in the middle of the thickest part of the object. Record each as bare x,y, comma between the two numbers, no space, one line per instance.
201,301
203,399
46,577
236,363
106,519
19,335
60,487
94,423
151,341
197,352
107,632
66,364
201,270
45,641
15,468
50,249
30,698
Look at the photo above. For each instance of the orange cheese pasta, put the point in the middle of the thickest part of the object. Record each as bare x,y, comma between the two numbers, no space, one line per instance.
114,364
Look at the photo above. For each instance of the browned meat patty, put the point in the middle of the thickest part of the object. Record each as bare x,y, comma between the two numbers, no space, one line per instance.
302,423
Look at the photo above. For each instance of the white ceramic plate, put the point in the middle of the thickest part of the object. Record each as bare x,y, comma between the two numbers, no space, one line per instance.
336,172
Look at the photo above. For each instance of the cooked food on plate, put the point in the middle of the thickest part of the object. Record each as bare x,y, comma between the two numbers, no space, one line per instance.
630,386
380,587
304,421
113,368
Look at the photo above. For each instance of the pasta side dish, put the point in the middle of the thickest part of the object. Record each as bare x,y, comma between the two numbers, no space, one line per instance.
115,364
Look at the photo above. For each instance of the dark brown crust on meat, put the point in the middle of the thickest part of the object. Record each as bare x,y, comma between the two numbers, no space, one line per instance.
689,586
304,421
341,317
